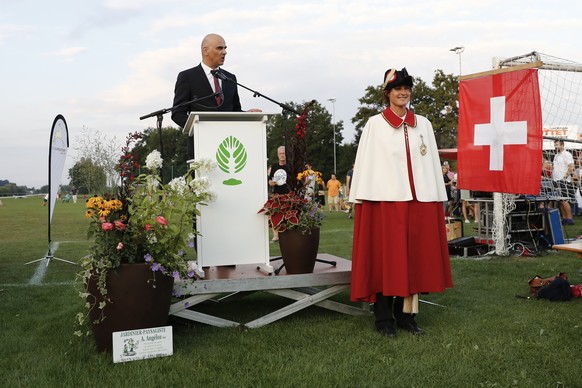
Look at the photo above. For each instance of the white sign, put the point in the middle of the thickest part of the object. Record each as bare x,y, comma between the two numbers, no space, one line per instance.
140,344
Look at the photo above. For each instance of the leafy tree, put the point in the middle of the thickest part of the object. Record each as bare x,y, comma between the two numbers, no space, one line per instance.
12,189
174,152
88,177
318,136
370,104
98,150
438,103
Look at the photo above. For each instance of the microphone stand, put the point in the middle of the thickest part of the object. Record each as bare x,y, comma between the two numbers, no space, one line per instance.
285,107
160,116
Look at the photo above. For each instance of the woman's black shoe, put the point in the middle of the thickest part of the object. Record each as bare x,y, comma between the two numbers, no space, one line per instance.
387,331
410,325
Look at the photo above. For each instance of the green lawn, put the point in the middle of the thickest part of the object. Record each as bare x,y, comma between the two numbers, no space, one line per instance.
484,337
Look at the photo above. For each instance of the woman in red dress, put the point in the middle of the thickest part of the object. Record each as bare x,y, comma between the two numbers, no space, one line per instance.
400,247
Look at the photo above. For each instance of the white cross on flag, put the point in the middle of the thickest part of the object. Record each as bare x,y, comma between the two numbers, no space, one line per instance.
500,133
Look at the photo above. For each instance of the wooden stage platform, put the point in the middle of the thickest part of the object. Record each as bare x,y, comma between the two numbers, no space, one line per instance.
575,247
313,289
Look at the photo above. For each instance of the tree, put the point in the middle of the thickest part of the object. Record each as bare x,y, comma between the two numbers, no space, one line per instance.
318,136
88,177
97,150
438,103
11,189
174,152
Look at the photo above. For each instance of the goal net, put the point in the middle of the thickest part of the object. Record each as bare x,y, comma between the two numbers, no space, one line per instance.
560,82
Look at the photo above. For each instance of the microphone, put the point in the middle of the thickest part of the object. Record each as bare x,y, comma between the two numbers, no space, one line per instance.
219,74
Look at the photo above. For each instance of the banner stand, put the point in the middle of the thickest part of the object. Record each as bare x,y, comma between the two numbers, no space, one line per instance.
58,147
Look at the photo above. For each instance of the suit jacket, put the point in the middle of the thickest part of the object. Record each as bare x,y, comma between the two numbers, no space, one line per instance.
192,84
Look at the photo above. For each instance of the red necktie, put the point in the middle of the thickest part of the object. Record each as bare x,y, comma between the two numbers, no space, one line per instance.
217,90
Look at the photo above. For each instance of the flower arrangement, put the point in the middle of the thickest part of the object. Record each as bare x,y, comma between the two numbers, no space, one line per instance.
290,211
146,222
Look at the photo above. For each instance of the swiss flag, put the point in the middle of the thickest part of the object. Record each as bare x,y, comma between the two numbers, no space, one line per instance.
500,133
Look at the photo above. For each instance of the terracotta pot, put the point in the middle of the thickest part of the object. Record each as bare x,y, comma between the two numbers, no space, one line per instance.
298,250
138,302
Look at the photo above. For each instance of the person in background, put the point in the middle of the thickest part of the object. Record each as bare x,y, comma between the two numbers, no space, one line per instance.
309,182
562,175
333,189
279,176
400,247
349,176
448,184
468,208
74,192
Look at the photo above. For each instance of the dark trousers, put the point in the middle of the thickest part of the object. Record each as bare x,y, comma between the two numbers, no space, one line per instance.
388,308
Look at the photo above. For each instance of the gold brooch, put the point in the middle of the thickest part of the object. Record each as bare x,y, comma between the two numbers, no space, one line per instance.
422,146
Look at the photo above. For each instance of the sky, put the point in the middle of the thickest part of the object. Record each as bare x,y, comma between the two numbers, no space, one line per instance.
103,64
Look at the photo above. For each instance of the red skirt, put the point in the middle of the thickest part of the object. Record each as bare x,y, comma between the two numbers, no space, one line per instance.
400,249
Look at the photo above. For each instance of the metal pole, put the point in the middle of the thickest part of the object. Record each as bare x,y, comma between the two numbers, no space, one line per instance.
458,50
333,119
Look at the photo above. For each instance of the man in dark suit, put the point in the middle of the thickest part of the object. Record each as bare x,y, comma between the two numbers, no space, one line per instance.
199,82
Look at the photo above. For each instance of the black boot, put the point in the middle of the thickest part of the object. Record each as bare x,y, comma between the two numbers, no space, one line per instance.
405,320
383,314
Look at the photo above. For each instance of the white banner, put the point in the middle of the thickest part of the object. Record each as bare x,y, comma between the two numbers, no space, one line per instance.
59,145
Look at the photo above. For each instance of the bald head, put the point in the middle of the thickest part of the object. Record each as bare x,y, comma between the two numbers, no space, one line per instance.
213,50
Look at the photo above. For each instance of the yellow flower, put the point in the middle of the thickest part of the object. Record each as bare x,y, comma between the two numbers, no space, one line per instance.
89,213
104,212
93,202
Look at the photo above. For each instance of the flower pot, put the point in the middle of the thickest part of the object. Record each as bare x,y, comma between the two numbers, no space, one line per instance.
298,250
139,298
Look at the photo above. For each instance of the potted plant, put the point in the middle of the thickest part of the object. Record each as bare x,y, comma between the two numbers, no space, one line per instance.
143,239
296,217
297,220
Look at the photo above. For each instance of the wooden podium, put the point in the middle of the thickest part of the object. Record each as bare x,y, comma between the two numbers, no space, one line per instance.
232,233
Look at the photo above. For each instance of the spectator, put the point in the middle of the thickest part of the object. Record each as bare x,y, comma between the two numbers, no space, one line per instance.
279,179
349,177
333,188
562,175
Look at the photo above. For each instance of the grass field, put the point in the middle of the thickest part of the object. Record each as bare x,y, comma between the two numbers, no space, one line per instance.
484,337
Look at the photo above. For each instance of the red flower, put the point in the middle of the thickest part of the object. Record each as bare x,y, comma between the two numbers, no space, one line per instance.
106,226
148,227
119,225
162,221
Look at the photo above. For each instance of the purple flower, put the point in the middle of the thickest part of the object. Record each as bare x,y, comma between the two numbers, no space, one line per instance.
176,275
155,267
181,252
191,274
190,243
148,257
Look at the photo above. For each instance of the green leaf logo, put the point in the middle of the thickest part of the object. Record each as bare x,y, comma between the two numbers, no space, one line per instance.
231,157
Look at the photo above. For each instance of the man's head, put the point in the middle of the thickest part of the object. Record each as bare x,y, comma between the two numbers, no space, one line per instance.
559,146
213,49
281,154
333,176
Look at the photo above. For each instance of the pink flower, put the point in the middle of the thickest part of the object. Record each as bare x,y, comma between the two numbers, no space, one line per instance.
119,225
106,226
120,246
148,227
161,220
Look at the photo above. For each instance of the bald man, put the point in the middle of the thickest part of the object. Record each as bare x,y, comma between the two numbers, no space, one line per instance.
198,82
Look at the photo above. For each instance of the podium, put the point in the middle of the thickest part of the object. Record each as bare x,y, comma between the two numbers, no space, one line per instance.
232,233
